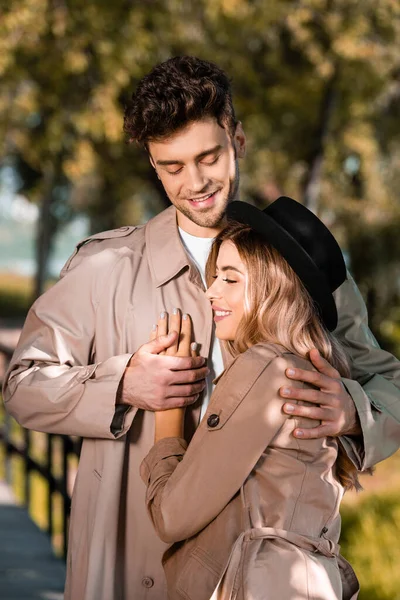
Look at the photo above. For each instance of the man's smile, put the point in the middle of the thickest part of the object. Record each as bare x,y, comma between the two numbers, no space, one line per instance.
204,201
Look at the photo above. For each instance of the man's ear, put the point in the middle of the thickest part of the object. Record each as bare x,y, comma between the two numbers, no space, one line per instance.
239,141
153,164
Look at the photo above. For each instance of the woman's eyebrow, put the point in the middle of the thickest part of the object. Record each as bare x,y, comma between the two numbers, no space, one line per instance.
229,268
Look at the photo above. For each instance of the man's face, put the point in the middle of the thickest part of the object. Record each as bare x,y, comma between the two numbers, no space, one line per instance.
198,168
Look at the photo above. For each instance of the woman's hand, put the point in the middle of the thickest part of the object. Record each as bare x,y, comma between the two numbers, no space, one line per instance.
169,423
182,326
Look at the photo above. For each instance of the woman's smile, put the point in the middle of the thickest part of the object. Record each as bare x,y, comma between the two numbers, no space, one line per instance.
220,313
227,293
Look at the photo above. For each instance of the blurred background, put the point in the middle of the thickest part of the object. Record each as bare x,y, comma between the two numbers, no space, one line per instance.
316,84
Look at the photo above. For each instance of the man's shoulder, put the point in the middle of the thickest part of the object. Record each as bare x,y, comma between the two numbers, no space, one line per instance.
129,237
113,239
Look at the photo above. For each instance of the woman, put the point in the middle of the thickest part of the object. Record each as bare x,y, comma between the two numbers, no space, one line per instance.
253,512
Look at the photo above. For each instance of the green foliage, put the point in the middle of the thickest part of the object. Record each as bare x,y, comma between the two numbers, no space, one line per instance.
316,84
15,296
370,542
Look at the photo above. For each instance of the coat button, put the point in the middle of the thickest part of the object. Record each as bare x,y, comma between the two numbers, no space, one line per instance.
147,582
213,420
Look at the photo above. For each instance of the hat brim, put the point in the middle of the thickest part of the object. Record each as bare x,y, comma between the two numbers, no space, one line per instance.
300,261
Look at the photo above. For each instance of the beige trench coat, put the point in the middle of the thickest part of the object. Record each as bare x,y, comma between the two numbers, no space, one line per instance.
246,483
65,372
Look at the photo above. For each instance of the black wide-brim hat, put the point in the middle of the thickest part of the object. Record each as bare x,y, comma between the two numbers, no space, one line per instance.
305,242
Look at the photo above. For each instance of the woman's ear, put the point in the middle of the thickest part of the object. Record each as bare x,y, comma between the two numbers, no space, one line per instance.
239,141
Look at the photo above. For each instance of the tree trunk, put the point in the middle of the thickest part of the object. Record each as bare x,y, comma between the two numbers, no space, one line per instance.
46,227
316,159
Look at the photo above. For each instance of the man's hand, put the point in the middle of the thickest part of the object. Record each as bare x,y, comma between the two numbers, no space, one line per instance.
154,382
335,408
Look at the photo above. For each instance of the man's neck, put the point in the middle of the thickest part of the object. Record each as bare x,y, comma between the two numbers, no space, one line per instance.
198,230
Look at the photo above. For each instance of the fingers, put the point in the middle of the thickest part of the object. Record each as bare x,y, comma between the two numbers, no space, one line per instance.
191,376
158,344
174,324
323,430
184,363
181,326
328,418
177,402
307,394
323,382
323,365
153,333
314,413
162,326
185,336
185,391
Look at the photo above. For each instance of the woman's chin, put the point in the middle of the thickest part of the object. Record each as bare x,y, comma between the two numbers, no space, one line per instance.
224,336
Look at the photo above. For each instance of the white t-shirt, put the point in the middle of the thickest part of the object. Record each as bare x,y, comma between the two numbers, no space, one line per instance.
198,250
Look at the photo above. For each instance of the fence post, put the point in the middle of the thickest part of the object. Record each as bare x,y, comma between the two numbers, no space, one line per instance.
45,467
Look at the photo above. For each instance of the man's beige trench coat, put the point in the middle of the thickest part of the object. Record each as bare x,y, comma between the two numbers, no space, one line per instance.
65,373
284,524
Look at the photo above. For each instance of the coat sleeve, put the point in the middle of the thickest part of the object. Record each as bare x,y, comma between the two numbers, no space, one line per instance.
53,383
375,384
186,490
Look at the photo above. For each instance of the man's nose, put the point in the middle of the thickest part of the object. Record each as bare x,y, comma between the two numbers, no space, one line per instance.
196,180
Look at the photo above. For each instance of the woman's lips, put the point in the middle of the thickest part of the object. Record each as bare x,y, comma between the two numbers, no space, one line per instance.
220,313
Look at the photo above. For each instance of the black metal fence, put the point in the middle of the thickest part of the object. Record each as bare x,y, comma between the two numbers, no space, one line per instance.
17,441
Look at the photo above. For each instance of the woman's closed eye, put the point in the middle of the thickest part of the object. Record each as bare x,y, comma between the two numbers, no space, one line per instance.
224,279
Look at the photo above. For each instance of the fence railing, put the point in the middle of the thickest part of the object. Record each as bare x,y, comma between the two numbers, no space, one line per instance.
57,473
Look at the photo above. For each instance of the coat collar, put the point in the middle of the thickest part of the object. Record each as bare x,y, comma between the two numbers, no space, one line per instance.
167,255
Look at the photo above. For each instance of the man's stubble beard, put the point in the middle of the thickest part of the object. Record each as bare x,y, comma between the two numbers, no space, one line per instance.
214,220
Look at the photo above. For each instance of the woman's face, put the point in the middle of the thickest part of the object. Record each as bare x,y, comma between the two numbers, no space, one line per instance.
227,293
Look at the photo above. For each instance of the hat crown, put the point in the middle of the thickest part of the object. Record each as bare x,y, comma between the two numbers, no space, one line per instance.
312,235
305,242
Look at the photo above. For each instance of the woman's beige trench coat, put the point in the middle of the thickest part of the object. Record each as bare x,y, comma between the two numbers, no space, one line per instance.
65,373
253,486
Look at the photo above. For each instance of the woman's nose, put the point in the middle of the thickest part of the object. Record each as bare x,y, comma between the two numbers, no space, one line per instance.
212,291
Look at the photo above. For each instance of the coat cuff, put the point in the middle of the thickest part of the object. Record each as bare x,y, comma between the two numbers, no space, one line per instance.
161,451
103,385
360,449
379,415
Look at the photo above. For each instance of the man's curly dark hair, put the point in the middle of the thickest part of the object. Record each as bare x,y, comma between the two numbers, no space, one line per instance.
175,93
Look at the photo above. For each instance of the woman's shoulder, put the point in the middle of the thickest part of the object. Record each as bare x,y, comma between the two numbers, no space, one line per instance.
266,356
274,356
267,351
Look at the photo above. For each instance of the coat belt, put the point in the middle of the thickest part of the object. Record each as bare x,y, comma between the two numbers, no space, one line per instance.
321,545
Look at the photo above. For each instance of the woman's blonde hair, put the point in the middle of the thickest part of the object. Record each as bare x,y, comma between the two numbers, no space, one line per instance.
278,309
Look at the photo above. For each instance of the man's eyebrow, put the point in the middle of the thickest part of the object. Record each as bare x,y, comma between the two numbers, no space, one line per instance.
210,151
166,163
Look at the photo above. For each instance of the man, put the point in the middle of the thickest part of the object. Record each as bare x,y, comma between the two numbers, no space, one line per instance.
83,367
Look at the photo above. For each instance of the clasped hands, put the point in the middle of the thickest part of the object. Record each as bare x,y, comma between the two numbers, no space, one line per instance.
165,373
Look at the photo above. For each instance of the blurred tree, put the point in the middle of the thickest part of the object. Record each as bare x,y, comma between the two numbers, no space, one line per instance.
370,543
316,84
